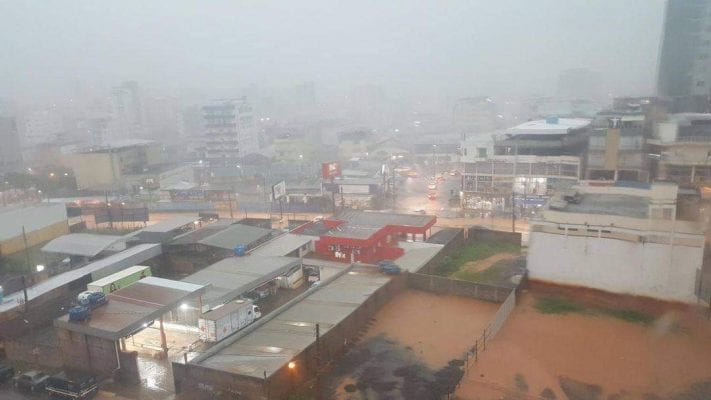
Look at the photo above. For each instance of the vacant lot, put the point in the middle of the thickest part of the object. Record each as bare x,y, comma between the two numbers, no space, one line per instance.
405,354
552,348
492,263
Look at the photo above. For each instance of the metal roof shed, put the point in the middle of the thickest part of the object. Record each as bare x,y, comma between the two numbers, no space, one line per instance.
85,244
130,308
164,230
234,276
237,234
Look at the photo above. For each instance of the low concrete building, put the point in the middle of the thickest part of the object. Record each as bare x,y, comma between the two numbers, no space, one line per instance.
109,167
353,235
618,239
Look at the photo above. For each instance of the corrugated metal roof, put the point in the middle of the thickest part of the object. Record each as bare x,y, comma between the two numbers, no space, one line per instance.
98,269
283,245
272,345
236,234
171,224
131,307
81,244
231,277
32,217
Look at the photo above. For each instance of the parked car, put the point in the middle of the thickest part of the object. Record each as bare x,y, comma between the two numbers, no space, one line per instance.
6,372
33,381
92,299
75,386
79,313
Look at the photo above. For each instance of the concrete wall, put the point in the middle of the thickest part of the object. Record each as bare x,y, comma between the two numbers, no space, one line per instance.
646,269
456,287
488,235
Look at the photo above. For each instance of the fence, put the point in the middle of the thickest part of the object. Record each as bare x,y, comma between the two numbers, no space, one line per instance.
471,356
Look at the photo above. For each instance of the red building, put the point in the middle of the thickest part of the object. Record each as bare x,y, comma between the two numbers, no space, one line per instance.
368,237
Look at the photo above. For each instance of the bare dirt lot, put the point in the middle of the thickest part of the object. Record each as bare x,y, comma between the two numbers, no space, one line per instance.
481,265
579,356
406,352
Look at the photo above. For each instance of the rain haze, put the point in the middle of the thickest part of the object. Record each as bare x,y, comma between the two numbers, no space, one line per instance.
355,200
453,48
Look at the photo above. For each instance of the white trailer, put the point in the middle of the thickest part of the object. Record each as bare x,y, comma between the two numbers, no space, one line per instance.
221,322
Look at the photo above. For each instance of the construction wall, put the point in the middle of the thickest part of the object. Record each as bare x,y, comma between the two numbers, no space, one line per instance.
197,382
656,270
95,170
87,353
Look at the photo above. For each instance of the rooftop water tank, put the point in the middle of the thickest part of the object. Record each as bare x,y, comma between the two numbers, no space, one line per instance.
552,120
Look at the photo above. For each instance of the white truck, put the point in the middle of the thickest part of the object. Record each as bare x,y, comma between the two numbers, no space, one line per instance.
221,322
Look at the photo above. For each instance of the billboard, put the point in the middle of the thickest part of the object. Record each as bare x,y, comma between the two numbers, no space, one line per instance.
278,190
330,170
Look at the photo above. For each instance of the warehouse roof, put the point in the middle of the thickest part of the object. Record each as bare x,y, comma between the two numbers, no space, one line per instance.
31,217
233,276
272,345
170,224
207,230
235,235
131,307
81,244
282,245
379,220
553,126
97,269
417,255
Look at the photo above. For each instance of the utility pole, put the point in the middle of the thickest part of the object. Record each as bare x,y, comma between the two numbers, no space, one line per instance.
513,191
27,251
318,363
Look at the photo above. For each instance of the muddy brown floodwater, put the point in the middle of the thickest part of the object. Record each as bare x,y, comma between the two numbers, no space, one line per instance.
408,350
593,357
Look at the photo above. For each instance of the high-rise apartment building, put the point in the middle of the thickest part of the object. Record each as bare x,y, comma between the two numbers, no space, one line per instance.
229,131
685,58
127,111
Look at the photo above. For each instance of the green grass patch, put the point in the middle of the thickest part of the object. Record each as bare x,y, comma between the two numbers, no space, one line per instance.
628,315
559,305
474,252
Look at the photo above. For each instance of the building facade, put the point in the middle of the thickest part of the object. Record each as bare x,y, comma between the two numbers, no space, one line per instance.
683,146
229,132
685,58
618,151
528,163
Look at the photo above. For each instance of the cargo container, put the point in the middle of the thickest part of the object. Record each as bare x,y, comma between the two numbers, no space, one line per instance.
219,323
292,279
119,280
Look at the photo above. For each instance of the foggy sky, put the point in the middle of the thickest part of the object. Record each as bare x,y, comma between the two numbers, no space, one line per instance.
454,48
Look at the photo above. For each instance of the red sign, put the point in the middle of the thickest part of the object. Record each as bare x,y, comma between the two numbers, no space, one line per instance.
330,170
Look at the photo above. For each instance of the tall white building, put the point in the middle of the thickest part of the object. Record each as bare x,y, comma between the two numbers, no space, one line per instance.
618,239
230,133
